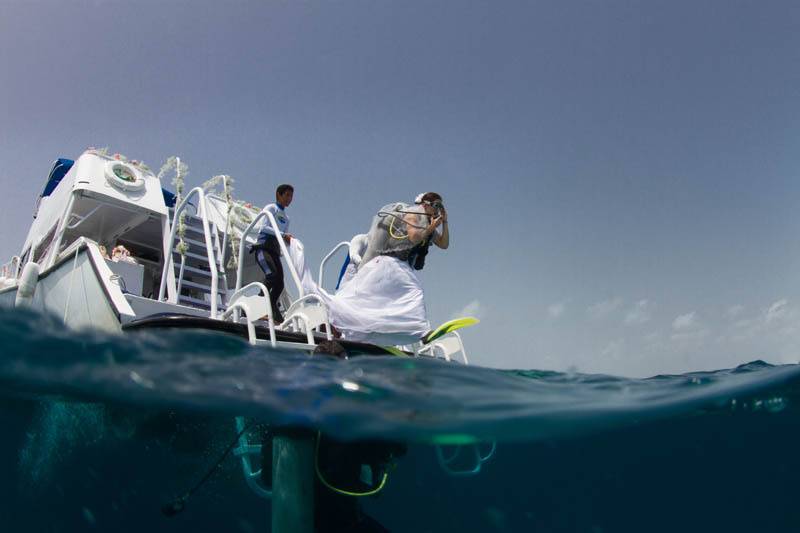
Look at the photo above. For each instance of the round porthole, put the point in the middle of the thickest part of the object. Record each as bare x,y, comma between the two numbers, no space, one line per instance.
123,176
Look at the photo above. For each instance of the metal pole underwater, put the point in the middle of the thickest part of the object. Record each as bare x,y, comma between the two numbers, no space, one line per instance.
293,482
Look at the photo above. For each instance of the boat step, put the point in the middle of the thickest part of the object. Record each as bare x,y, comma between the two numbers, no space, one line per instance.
199,244
191,255
205,288
187,216
200,303
200,272
197,230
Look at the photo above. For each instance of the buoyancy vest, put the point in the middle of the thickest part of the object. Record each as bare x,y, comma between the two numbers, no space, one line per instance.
416,257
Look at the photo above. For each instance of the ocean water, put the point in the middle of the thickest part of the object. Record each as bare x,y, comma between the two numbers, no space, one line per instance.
100,431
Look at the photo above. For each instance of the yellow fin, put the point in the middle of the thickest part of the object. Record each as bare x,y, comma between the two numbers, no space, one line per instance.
450,325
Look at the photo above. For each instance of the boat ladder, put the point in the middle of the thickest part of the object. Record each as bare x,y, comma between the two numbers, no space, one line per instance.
200,279
192,272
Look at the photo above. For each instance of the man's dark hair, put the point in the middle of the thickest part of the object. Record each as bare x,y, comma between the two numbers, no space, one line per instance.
283,188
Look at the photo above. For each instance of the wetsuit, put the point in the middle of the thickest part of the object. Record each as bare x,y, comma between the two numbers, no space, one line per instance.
268,256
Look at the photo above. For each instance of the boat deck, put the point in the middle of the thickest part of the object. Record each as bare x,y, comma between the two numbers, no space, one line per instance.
181,321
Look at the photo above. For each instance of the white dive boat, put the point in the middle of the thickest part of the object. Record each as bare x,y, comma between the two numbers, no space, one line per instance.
96,203
99,202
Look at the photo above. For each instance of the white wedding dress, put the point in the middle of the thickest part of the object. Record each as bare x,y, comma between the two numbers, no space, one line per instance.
382,304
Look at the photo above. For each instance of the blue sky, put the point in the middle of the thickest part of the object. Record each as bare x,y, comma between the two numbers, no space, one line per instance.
621,177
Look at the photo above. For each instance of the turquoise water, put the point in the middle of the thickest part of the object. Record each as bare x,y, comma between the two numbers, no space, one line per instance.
100,431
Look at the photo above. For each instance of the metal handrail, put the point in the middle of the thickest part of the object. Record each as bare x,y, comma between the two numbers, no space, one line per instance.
212,263
59,234
282,245
12,268
325,259
81,219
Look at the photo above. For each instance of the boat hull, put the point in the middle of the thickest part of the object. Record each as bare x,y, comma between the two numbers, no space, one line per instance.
284,338
79,288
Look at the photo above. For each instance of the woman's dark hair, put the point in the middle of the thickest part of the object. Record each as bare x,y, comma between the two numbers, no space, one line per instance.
432,197
283,188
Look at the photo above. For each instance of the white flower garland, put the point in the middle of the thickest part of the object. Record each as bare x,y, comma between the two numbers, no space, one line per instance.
233,262
238,214
181,171
227,187
103,152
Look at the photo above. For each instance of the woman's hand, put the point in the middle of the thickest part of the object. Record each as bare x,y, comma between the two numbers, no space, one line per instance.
442,239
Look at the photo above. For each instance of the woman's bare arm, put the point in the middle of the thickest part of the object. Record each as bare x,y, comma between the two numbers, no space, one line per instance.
442,240
417,234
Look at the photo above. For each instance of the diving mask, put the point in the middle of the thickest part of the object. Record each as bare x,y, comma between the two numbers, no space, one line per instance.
437,205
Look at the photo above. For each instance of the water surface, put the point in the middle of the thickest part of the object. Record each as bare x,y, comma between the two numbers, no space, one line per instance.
101,430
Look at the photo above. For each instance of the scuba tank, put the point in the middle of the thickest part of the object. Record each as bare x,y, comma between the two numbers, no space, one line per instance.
388,234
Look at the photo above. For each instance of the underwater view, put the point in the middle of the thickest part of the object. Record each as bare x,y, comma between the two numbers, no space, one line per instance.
102,432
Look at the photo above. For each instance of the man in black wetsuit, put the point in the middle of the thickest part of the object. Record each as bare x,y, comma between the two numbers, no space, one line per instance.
267,249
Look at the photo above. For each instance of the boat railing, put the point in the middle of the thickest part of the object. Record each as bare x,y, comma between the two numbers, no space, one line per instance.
202,213
343,244
11,269
81,219
289,263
